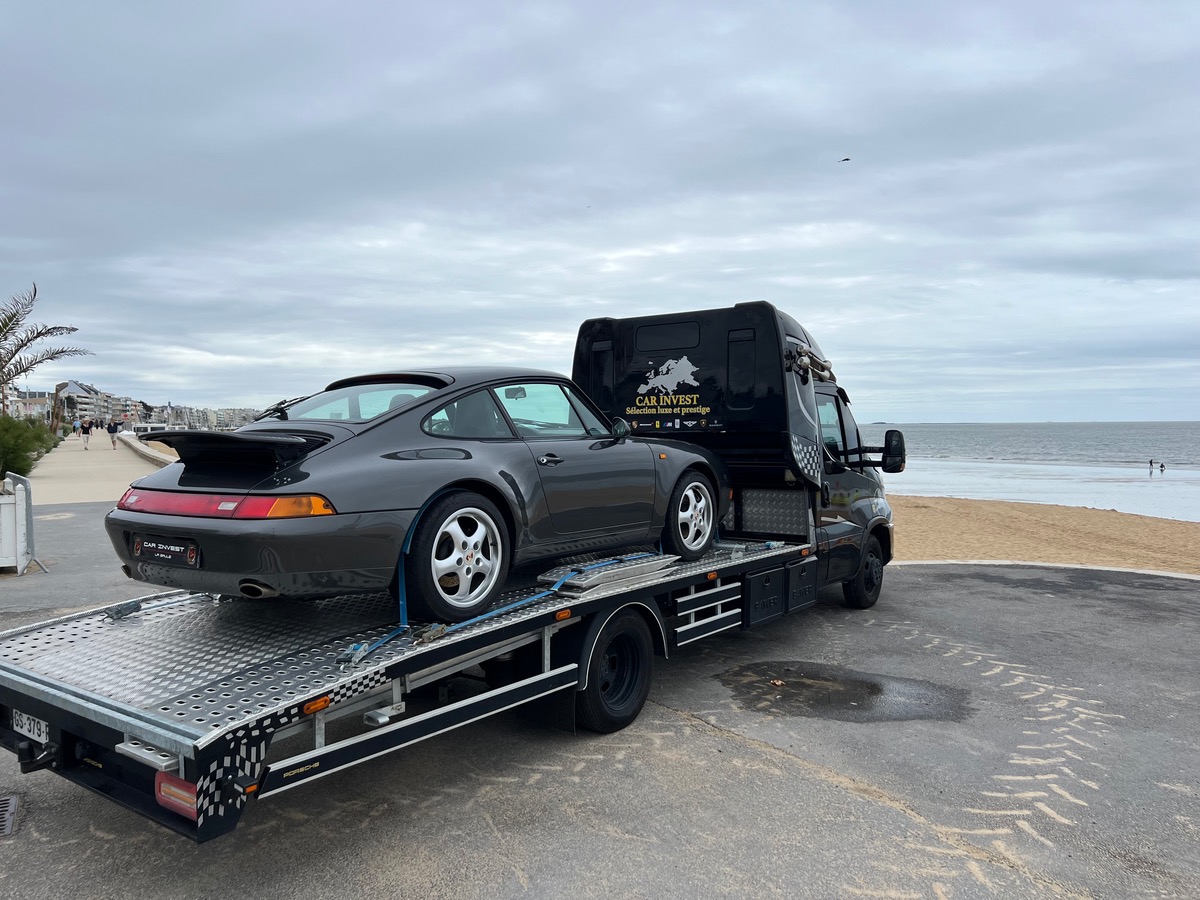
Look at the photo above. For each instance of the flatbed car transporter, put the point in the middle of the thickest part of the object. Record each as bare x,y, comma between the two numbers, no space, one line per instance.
182,707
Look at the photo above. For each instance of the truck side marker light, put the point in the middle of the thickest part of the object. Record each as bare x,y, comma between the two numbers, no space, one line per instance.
804,552
315,706
711,576
175,794
562,615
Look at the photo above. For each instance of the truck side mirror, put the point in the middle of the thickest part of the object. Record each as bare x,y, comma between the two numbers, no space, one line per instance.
620,428
894,455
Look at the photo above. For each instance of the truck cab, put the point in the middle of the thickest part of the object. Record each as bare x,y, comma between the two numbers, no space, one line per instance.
751,384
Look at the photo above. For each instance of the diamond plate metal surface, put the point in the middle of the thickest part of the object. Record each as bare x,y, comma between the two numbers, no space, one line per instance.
180,647
778,512
236,670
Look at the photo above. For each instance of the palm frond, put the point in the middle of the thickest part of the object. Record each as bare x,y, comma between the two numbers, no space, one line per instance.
18,366
14,313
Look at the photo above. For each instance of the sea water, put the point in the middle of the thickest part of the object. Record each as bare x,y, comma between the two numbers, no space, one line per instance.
1102,465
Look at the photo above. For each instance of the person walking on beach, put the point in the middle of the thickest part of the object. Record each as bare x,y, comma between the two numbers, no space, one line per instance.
1162,467
112,429
85,431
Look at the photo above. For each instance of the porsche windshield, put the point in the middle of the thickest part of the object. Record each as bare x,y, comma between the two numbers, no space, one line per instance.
355,403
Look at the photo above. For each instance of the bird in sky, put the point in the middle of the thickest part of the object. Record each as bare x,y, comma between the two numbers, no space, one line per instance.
847,159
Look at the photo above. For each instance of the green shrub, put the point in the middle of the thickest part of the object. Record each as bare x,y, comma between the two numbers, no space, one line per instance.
19,446
23,442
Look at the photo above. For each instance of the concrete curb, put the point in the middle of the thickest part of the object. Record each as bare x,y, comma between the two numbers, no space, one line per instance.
1044,565
159,459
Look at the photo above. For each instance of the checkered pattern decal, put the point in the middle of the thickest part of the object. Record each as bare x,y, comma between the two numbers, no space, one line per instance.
808,458
244,751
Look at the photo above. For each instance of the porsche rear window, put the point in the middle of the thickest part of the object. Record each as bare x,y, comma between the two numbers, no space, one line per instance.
357,403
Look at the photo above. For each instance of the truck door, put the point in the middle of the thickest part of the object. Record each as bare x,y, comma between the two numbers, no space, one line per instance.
839,525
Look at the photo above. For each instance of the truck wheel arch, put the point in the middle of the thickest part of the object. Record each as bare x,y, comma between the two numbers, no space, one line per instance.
878,528
653,617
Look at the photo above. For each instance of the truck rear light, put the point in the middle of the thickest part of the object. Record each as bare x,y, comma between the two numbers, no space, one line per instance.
175,794
225,506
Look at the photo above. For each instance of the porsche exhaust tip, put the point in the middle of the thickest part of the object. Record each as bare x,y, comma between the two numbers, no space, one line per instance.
256,590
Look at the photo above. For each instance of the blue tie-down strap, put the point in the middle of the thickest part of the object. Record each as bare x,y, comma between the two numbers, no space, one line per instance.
428,633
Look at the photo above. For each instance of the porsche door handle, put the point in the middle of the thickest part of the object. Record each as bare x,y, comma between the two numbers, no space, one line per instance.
550,459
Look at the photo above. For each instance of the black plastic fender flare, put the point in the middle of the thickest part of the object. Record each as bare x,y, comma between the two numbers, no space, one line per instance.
600,619
872,524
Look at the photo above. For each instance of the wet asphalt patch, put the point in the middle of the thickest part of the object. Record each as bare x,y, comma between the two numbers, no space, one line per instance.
819,691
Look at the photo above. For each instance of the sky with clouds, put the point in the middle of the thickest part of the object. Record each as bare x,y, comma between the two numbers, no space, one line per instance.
237,202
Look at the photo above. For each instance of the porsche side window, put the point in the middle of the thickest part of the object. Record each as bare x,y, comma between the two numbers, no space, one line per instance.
591,422
472,416
541,410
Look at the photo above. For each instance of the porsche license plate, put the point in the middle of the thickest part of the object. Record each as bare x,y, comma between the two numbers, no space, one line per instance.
30,726
168,551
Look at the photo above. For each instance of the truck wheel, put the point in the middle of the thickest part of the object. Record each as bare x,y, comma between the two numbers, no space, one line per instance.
691,517
458,559
862,590
618,674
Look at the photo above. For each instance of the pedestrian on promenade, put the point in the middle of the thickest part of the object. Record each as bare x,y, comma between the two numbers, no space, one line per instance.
113,428
85,431
75,431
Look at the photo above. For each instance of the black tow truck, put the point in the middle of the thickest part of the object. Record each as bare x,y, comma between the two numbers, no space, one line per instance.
184,706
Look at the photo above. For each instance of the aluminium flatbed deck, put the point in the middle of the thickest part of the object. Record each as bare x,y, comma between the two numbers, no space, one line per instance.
191,689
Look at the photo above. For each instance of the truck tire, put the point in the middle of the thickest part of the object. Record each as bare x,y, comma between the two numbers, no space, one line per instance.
458,560
618,674
862,590
691,517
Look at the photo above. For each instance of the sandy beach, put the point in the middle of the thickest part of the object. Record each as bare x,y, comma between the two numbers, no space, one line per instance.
942,528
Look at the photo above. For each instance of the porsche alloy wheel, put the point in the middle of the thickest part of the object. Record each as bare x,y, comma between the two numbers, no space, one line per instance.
458,558
691,517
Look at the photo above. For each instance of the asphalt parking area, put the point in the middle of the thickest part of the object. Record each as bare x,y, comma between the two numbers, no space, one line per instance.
984,731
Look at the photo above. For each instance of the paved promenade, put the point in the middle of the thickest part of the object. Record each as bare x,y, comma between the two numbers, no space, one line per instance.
72,489
71,473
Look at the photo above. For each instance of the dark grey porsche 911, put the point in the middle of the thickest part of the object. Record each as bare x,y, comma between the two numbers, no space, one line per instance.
445,478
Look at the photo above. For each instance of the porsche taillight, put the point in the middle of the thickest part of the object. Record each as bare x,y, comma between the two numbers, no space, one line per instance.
283,507
224,506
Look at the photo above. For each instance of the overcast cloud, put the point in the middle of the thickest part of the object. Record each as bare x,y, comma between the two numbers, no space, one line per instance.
238,202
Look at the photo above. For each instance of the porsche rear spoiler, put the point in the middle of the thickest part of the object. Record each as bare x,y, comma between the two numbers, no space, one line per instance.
237,448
